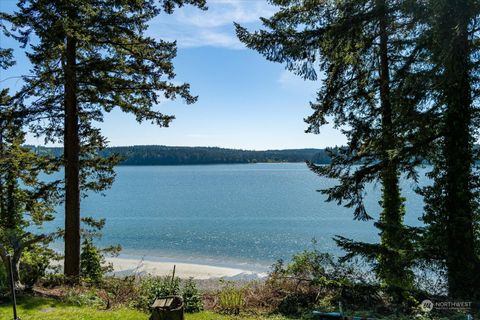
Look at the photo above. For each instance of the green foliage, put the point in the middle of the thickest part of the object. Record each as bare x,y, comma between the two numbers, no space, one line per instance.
353,43
231,299
317,280
141,293
401,82
92,259
53,280
90,262
166,155
35,263
108,62
116,291
76,298
3,278
451,238
26,201
6,58
116,66
192,298
36,308
298,303
151,288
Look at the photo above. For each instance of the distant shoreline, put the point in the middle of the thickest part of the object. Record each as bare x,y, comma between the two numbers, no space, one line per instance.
171,155
204,164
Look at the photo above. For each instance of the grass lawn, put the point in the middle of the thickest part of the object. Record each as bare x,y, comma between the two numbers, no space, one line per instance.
50,309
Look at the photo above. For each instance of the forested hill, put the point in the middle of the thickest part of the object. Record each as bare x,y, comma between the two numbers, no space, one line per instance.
167,155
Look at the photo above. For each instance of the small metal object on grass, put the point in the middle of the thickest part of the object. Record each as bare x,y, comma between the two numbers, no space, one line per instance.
327,315
335,315
12,288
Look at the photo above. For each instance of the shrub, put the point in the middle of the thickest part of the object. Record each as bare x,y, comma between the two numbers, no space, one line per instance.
91,262
79,298
52,280
152,288
231,300
295,303
191,297
34,264
119,291
3,277
262,296
316,280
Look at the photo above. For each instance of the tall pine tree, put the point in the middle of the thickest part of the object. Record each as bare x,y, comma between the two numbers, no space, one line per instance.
91,57
452,212
364,48
26,202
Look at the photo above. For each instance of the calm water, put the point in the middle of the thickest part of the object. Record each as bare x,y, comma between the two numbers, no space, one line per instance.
249,214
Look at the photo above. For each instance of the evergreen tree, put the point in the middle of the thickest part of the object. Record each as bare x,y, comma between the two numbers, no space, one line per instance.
451,236
365,49
26,202
93,56
93,262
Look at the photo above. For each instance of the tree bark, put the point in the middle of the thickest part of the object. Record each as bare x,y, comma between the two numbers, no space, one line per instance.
72,166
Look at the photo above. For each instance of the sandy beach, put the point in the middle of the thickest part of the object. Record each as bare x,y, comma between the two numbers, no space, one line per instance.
124,266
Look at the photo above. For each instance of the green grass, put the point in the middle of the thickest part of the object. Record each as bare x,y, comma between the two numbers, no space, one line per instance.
49,309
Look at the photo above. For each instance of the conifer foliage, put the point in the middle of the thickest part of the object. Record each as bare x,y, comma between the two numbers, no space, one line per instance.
93,56
400,80
452,212
26,201
358,47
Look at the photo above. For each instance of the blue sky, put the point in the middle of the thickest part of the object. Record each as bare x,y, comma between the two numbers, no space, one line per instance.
244,101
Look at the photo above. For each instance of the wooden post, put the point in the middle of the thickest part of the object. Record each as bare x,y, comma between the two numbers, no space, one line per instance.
173,277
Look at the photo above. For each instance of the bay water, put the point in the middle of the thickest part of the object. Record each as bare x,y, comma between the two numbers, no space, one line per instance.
242,215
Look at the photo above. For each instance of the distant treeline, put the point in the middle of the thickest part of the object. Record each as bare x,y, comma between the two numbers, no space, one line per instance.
167,155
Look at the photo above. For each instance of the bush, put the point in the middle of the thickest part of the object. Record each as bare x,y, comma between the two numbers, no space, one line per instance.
316,280
152,288
231,300
52,280
296,303
3,277
91,262
78,298
119,291
34,264
191,297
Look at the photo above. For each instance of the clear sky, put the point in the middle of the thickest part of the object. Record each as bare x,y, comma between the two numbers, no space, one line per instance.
244,101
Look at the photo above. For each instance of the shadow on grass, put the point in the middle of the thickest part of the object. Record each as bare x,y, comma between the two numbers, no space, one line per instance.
29,303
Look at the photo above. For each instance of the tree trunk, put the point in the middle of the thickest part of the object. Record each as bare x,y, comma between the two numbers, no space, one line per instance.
15,270
462,263
393,266
72,167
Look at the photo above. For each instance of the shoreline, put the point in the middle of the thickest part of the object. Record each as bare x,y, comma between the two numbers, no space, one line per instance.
124,266
209,164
